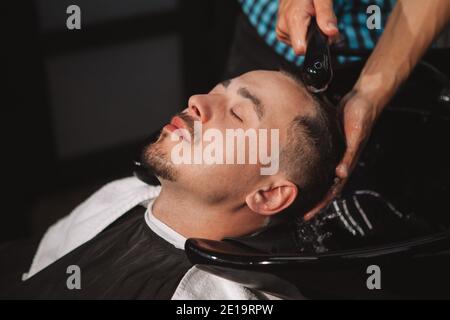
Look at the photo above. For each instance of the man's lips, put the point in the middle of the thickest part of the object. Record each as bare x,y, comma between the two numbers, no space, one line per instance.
178,123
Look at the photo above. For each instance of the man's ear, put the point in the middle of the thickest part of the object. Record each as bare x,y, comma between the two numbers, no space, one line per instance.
273,198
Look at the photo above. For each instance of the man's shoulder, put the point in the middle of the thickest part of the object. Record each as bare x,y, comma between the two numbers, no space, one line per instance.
91,217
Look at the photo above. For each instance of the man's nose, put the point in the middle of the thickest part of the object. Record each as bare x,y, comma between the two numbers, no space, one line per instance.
200,107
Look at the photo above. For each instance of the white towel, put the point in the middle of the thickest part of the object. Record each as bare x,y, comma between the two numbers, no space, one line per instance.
89,219
201,285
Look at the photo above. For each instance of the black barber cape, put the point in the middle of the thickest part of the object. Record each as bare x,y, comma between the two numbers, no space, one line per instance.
125,261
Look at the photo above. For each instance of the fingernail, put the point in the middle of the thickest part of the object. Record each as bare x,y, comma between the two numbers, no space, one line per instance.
300,46
332,25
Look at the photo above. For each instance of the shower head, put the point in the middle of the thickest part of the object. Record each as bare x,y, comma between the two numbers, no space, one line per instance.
317,72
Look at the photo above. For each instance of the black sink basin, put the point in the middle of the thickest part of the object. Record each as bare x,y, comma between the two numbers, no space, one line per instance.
393,213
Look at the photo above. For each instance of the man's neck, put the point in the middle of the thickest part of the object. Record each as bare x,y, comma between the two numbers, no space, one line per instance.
195,219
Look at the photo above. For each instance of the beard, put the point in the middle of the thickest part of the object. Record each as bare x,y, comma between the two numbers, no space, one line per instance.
156,162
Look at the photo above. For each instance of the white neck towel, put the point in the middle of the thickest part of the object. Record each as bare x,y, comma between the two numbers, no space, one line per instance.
89,219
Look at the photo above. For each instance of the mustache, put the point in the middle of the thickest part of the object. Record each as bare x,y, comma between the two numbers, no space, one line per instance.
188,120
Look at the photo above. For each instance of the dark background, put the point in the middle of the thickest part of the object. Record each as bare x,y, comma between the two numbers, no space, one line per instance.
76,104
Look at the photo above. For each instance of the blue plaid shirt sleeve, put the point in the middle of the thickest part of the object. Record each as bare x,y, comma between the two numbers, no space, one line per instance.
351,15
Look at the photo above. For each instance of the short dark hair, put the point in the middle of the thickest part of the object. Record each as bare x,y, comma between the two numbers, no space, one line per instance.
314,146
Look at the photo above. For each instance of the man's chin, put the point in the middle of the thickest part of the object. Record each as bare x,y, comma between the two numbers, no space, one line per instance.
155,160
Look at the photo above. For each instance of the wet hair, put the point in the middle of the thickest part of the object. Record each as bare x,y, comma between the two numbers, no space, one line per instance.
313,149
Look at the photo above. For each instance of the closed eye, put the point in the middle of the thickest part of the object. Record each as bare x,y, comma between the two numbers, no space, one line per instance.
235,115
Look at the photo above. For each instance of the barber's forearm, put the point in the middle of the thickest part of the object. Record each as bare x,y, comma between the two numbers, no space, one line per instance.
410,30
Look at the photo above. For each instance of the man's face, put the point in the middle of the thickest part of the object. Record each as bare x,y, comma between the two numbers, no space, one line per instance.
201,158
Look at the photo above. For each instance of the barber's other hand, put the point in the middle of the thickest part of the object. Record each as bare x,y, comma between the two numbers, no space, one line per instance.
359,115
294,17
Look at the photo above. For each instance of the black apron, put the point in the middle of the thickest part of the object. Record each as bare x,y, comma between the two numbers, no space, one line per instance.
125,261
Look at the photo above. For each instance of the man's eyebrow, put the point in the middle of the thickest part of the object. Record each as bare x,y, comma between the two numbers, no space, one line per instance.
257,105
245,93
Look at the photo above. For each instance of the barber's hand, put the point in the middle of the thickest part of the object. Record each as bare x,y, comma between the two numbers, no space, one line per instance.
294,17
358,116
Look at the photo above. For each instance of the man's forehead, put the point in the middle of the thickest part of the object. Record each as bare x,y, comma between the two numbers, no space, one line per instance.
278,91
273,83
